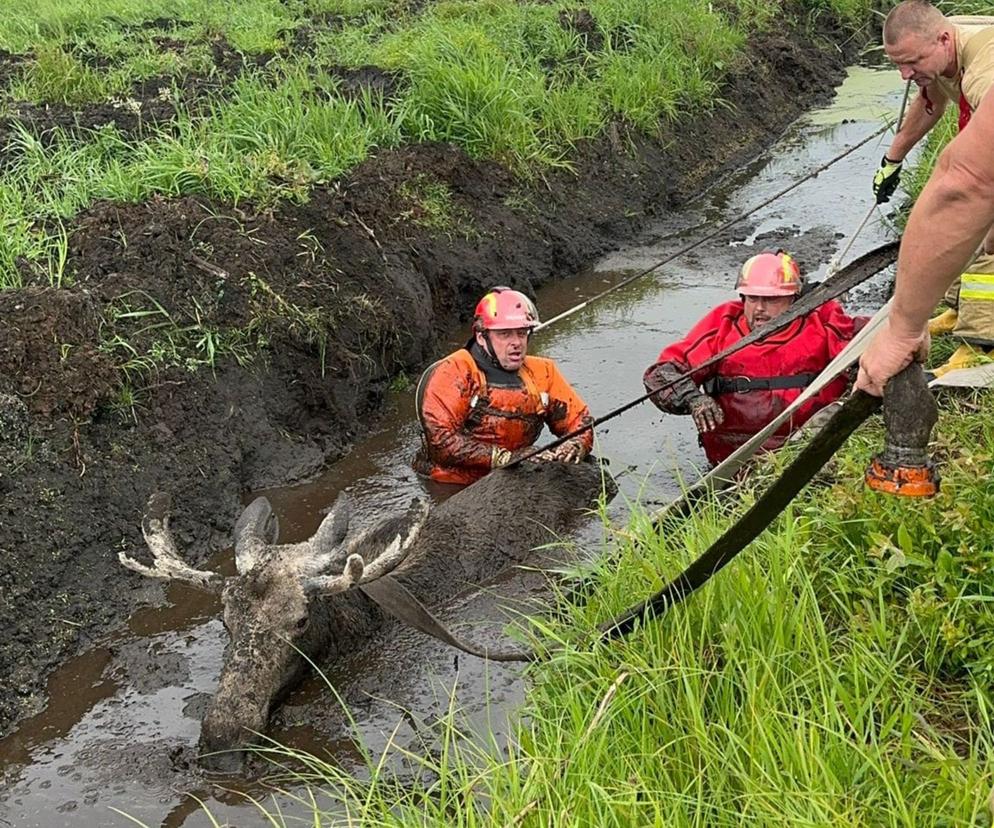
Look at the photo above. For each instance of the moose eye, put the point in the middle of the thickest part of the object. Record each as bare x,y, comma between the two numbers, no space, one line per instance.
301,623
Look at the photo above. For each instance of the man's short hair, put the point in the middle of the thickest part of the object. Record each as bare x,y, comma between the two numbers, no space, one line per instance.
913,17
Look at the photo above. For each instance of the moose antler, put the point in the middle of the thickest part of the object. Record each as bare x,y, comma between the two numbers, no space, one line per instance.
166,562
356,571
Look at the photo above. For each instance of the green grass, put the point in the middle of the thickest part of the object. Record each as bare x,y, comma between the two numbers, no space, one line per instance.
838,673
429,204
502,79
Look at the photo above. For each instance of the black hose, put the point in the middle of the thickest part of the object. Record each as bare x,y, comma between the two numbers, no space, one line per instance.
763,512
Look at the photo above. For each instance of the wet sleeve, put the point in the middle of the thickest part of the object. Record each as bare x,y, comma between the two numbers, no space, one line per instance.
676,389
839,327
567,411
445,407
696,347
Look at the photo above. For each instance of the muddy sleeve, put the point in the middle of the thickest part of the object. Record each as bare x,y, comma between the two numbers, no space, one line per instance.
681,357
567,411
675,389
445,408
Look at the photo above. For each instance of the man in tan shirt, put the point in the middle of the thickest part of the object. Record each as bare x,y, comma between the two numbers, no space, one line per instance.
951,59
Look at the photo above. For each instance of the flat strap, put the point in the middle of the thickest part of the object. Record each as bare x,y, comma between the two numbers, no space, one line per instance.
736,385
394,598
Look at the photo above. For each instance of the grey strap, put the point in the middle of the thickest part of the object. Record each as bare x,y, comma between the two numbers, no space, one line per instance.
395,599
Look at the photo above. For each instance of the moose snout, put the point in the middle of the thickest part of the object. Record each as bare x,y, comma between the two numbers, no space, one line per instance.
232,723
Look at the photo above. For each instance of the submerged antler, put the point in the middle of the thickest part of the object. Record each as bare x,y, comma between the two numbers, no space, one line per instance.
356,571
166,562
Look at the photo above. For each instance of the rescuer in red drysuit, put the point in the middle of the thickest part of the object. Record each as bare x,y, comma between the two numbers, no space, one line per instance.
485,405
737,397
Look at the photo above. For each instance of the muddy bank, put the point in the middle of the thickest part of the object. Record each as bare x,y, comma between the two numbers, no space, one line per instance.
342,295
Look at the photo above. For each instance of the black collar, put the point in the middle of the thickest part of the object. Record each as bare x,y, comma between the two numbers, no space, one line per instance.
495,375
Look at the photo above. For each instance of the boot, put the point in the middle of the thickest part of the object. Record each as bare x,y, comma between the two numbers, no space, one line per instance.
943,323
965,356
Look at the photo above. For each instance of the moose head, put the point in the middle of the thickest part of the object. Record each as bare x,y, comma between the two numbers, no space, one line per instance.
274,607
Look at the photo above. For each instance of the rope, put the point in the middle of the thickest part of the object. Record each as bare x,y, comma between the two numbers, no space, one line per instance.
721,229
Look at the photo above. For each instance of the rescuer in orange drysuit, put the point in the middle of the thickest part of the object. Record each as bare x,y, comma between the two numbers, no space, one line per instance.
484,405
744,392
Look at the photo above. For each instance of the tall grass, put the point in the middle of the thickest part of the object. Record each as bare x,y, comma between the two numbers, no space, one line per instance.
503,79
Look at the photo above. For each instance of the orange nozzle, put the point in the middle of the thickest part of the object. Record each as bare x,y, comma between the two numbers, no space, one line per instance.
906,481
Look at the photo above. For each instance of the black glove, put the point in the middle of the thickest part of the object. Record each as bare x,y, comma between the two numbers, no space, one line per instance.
886,179
706,412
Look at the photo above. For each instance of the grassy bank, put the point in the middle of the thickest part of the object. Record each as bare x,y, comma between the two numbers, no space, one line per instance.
266,99
838,673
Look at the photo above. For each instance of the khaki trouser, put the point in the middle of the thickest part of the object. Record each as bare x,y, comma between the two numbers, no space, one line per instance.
973,297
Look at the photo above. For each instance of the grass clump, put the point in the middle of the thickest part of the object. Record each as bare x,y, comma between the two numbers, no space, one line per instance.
56,75
430,205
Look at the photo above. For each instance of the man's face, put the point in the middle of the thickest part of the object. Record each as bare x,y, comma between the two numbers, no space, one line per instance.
761,309
509,347
922,59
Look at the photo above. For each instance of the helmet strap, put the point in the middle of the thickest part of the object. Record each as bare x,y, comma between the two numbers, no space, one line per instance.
489,350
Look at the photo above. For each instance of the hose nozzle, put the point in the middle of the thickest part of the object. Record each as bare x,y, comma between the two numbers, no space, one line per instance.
903,467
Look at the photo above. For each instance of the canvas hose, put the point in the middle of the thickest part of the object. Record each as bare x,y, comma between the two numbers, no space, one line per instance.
766,509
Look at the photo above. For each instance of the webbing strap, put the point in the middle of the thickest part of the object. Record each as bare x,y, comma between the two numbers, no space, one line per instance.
737,385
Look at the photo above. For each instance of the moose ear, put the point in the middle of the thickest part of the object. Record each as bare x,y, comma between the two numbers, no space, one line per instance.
334,527
256,526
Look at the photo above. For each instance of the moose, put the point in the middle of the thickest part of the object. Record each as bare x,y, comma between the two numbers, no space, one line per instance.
290,603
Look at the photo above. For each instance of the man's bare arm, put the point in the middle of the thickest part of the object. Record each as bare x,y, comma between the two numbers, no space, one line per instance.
950,218
948,222
917,122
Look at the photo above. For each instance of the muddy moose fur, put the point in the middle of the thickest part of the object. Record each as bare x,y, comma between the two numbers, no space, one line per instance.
295,600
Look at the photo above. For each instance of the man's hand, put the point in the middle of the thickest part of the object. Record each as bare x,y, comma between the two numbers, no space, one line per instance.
886,179
501,457
706,412
572,451
888,354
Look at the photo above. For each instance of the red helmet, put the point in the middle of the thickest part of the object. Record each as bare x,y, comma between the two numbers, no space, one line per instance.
504,309
769,274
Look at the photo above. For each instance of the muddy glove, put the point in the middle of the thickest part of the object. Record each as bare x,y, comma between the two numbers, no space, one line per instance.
501,456
706,412
678,390
886,179
572,451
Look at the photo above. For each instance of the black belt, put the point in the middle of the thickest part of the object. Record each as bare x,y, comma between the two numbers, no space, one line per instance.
736,385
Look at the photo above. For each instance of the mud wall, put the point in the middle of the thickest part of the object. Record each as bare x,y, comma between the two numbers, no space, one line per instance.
344,293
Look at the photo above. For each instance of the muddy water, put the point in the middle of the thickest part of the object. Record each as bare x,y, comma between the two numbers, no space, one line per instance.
121,730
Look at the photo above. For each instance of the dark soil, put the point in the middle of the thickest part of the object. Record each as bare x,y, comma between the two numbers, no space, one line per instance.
345,292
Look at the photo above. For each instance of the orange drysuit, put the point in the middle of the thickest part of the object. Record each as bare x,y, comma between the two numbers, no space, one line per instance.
464,417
